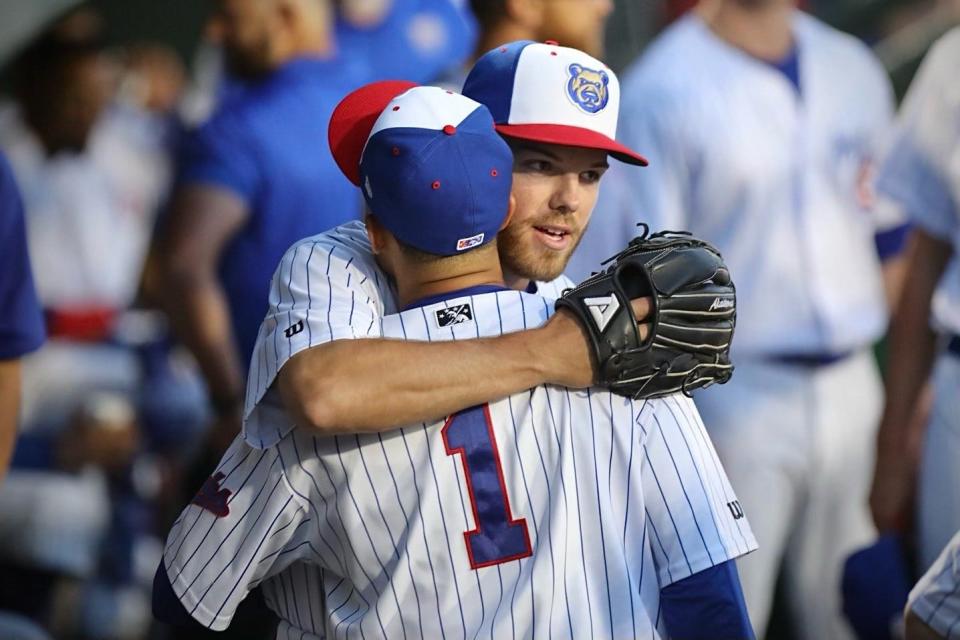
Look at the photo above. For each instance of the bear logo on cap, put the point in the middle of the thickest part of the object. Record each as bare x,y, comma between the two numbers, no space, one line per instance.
587,88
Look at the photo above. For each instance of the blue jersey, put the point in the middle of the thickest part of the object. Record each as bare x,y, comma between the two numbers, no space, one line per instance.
434,35
267,144
21,323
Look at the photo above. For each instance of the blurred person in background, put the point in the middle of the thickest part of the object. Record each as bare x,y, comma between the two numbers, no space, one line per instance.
90,193
91,185
572,23
21,321
921,173
256,177
425,37
763,125
253,179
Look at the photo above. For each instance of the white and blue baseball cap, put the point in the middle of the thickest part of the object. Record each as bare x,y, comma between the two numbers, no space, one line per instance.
547,93
431,166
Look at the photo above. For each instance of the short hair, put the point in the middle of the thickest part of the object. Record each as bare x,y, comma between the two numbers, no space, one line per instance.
489,13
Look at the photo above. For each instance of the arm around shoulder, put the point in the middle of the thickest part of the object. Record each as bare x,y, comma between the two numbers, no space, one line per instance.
370,385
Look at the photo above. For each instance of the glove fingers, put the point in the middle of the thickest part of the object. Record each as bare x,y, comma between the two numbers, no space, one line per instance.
678,269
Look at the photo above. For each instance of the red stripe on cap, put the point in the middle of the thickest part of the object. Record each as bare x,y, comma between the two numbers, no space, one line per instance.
572,137
353,120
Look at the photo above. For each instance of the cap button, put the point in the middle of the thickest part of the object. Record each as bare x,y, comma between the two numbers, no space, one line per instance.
552,42
449,129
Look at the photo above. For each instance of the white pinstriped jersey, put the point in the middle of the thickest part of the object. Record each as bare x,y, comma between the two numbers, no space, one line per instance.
936,597
776,179
327,287
922,170
552,513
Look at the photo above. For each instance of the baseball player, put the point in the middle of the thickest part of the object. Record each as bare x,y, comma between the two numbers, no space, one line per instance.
920,174
557,107
933,609
763,124
546,513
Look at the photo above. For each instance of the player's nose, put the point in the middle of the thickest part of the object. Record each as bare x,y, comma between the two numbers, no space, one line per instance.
566,193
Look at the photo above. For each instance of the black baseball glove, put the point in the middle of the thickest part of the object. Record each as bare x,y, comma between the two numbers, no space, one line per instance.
692,321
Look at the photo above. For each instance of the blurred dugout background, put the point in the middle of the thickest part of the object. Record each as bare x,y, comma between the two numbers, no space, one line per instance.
97,477
900,30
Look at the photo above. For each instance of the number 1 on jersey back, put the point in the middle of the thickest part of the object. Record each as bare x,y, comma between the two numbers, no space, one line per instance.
497,537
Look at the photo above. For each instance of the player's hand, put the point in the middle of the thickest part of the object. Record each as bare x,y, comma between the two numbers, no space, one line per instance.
566,345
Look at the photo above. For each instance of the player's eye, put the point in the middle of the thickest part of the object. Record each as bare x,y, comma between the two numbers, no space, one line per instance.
538,166
591,177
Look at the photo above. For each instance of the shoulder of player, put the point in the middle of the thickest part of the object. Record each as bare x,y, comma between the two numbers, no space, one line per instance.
348,239
946,50
939,66
346,244
842,49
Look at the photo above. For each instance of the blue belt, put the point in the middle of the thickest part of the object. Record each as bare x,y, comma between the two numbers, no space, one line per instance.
811,359
954,345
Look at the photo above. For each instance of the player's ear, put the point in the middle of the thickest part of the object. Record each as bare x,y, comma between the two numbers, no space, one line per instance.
511,208
375,233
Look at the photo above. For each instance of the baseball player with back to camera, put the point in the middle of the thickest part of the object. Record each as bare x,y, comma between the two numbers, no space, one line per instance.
547,513
922,174
762,125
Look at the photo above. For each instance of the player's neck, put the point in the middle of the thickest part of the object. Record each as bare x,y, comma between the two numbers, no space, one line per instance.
417,284
506,31
764,33
312,36
515,282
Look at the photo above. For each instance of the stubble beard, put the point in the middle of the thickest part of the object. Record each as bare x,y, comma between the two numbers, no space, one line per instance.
519,259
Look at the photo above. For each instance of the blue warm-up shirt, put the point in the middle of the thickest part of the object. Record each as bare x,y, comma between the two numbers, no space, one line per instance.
267,143
21,321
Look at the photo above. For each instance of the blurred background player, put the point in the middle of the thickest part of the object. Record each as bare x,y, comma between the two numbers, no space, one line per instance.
764,125
576,24
527,546
573,23
921,173
252,180
21,323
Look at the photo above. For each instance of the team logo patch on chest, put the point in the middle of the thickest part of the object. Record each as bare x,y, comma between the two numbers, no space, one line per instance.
587,88
454,315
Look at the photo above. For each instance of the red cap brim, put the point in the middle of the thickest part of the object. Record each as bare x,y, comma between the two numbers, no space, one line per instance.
572,137
353,120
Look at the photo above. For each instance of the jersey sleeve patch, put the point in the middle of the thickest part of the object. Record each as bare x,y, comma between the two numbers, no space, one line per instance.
243,525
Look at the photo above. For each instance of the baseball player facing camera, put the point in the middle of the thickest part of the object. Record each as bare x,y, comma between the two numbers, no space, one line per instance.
549,512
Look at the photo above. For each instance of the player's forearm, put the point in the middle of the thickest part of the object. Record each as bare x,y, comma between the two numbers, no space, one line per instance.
912,342
349,386
9,409
198,310
894,275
